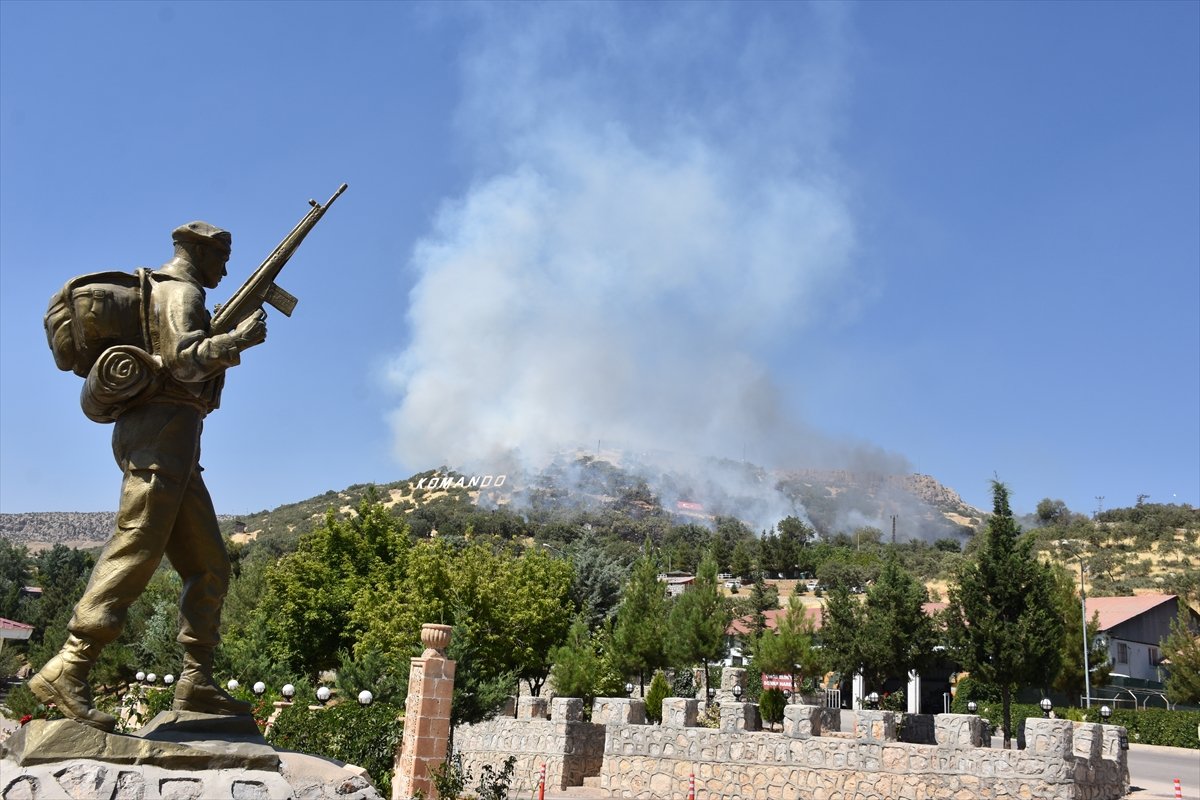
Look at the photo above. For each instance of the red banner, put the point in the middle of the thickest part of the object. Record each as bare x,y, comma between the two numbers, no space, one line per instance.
783,682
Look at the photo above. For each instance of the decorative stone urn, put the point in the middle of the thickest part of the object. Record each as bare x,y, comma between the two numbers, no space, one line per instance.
436,639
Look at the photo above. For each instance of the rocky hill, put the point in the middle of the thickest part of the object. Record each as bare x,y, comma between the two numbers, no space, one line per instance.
44,529
832,501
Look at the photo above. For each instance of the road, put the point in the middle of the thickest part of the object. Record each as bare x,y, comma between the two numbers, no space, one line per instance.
1152,771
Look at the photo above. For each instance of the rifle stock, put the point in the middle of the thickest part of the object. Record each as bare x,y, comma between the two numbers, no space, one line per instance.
260,287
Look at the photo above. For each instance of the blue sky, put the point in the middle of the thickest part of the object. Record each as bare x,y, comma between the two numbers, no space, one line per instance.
959,239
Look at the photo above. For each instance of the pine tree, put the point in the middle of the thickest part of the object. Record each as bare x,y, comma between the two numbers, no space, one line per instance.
1182,647
789,649
641,619
698,619
576,663
1002,623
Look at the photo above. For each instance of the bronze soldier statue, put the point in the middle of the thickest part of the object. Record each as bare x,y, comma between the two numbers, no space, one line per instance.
165,507
155,364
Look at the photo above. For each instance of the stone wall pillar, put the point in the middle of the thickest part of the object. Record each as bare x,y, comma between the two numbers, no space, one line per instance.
680,712
619,711
801,722
876,726
426,716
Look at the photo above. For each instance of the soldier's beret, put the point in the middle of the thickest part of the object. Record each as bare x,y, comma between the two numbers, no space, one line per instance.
203,233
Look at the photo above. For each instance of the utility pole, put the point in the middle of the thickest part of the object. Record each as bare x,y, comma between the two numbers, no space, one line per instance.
893,530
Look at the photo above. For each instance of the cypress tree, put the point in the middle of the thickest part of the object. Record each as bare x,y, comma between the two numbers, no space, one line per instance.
1003,624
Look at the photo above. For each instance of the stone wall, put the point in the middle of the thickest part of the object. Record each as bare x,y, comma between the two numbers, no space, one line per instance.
1063,761
551,733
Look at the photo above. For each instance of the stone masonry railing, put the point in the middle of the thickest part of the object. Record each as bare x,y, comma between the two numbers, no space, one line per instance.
1062,761
551,733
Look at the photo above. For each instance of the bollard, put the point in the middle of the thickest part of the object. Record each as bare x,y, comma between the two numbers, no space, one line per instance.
542,784
1178,790
692,786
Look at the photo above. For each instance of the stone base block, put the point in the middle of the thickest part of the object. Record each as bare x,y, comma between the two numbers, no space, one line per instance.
299,776
173,740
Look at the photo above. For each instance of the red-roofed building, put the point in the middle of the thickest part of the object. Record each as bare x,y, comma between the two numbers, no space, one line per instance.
1134,627
11,629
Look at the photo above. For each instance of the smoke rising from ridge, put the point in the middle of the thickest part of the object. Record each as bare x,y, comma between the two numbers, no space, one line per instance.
657,212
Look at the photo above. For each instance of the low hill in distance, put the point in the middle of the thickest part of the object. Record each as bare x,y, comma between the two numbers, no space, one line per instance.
831,501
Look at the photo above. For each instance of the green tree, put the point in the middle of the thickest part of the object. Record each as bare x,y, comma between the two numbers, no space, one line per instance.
698,620
1052,512
580,668
895,633
641,619
1182,648
839,634
794,535
598,579
771,704
763,598
16,570
740,563
1070,675
1002,623
790,650
311,594
655,696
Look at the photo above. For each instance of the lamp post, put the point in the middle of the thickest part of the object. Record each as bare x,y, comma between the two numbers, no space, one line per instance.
1087,672
258,688
629,689
972,707
323,694
1105,713
737,692
1047,706
288,691
168,679
365,697
873,701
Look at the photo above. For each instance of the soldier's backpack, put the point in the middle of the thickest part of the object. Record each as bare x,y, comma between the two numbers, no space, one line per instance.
95,312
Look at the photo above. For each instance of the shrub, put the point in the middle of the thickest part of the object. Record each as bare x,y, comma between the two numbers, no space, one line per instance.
683,684
1155,725
363,735
654,697
771,704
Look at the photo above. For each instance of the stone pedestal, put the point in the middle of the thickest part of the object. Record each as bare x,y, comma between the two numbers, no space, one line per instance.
533,708
876,726
802,722
680,712
426,715
738,717
619,711
176,755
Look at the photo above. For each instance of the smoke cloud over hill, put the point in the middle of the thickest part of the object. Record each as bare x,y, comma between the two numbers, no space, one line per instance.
655,217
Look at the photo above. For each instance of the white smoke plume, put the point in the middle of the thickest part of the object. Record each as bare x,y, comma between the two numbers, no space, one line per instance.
658,213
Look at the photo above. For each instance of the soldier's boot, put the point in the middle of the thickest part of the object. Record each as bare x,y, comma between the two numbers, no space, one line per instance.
64,682
196,691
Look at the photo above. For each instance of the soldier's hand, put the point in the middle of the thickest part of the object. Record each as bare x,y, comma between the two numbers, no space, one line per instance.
252,330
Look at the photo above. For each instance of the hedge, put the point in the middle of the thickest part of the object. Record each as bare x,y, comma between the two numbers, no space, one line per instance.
366,736
1150,726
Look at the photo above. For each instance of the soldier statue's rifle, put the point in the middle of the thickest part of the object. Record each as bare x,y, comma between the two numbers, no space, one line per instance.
260,287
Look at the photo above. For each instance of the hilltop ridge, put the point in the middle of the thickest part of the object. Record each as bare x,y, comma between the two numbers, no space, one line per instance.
833,500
